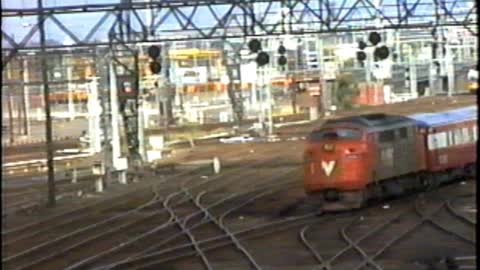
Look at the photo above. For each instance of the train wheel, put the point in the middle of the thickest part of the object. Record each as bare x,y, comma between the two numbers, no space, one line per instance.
429,182
471,170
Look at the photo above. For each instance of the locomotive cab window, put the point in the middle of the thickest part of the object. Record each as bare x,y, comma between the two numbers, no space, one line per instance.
386,136
403,133
335,134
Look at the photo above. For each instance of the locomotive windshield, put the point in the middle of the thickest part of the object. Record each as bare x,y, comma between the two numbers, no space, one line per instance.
335,134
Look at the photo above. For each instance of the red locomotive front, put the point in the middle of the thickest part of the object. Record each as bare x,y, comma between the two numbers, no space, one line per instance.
336,163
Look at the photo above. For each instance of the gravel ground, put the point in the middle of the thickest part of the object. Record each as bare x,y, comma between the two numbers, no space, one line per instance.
250,170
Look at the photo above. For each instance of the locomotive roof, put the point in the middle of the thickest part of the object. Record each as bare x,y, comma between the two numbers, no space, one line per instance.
445,117
373,122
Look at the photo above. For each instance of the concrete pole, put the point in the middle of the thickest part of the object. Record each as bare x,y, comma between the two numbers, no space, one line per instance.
412,72
216,165
141,126
26,98
269,108
368,66
99,171
122,177
116,148
71,104
97,142
74,175
450,69
94,112
324,89
253,98
10,117
261,118
19,109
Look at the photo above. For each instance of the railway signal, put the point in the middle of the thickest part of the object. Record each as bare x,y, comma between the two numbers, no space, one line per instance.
262,59
154,54
407,77
379,53
374,38
282,60
254,45
361,55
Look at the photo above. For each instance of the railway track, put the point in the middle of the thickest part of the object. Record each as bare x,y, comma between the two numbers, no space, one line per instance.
65,188
371,242
154,256
181,213
74,238
37,195
191,224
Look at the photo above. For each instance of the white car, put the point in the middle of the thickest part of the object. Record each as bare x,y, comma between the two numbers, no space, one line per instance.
238,139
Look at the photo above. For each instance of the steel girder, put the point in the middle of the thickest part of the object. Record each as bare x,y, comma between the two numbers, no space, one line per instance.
166,20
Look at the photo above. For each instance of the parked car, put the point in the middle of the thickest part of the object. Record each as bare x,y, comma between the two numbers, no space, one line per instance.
237,139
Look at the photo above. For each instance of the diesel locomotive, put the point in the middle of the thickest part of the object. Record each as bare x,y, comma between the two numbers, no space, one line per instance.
348,161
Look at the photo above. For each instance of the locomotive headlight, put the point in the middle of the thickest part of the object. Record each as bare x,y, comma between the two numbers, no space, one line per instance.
350,154
349,150
328,147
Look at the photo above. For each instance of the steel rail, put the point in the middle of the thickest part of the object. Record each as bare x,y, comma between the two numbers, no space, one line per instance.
164,241
424,218
327,264
74,211
456,212
89,227
91,259
191,237
83,230
212,218
219,241
72,234
64,188
310,247
61,224
442,227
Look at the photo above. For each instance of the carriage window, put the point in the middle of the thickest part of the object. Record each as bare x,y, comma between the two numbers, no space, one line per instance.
437,140
451,138
458,136
466,135
402,133
340,133
386,136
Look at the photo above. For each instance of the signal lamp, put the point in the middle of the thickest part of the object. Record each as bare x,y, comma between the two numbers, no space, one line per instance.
262,59
155,67
362,45
153,52
254,45
282,60
361,56
374,38
381,52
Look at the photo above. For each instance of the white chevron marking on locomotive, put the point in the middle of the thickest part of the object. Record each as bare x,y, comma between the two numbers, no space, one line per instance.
328,167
